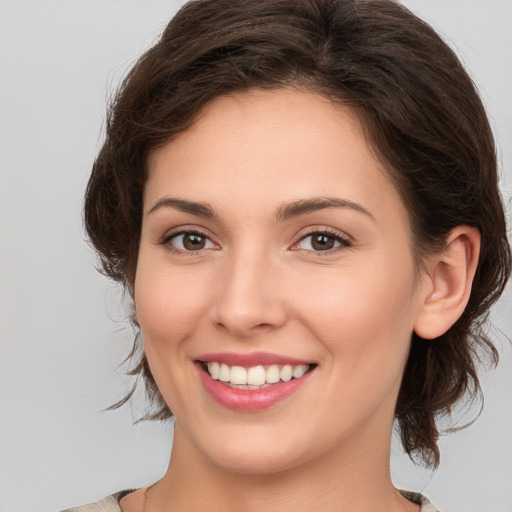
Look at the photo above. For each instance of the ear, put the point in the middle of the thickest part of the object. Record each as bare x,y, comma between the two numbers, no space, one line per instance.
446,283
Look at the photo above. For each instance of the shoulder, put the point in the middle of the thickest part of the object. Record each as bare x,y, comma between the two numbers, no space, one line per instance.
108,504
111,503
418,498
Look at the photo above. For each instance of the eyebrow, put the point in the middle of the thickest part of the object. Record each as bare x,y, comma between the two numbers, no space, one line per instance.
200,209
284,212
304,206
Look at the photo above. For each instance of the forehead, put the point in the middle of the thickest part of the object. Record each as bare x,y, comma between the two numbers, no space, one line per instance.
259,148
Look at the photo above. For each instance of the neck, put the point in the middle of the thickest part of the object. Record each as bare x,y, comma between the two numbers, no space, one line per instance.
362,482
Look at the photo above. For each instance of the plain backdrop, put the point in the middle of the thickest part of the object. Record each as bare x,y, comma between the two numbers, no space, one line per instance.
63,331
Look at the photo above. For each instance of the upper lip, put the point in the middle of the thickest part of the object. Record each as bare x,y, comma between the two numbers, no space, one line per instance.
248,360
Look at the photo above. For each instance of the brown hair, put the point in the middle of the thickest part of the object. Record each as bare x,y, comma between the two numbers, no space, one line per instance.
423,117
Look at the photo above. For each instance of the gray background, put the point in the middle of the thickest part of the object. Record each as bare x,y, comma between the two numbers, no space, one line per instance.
62,327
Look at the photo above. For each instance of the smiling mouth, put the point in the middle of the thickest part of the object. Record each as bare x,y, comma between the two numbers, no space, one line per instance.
254,377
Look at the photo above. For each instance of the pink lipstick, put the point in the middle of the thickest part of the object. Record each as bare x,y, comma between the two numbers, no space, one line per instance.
251,382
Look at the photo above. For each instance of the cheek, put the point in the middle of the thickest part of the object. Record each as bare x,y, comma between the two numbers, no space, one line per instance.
168,304
366,319
366,329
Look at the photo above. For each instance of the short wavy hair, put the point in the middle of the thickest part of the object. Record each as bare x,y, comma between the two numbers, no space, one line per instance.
423,118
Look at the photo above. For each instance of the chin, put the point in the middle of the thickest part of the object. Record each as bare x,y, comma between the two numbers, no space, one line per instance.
253,454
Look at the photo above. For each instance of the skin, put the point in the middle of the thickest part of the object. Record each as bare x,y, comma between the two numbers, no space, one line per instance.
259,285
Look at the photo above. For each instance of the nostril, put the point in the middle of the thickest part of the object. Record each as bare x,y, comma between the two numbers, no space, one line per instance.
243,328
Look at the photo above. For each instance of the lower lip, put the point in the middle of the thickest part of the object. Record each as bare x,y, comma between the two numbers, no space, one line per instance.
249,399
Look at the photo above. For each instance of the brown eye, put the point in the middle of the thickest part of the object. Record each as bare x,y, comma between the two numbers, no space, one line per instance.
322,241
189,241
193,242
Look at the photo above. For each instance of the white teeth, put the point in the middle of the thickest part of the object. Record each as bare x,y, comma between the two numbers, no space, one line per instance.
255,375
225,373
238,375
214,369
273,374
286,373
299,371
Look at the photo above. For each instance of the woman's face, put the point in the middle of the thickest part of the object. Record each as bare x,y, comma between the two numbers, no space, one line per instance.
273,243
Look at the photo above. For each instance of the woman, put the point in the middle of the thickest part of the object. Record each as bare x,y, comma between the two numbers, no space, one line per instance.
301,198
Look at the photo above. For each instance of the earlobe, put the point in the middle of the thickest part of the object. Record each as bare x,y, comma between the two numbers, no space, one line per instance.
446,285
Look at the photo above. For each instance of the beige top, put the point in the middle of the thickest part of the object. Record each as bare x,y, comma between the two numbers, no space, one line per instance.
111,503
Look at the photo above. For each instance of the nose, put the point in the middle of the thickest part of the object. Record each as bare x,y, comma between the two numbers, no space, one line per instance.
249,296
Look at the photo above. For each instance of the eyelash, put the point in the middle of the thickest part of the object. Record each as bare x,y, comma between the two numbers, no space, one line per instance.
166,241
342,240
